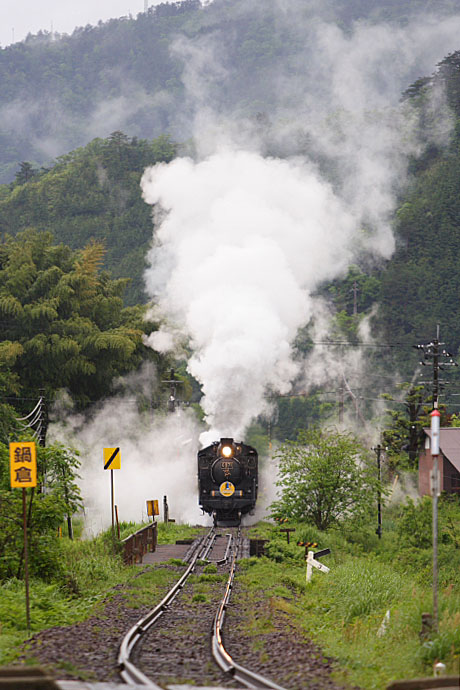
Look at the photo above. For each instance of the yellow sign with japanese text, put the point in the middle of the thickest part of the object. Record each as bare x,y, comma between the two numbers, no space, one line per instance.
23,465
112,459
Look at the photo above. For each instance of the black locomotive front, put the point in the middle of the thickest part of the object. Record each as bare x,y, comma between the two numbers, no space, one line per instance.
227,480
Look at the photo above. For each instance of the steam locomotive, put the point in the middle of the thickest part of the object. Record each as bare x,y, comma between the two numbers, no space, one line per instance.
227,480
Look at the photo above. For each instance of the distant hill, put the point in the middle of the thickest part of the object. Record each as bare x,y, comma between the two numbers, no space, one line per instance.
421,284
122,76
58,93
92,193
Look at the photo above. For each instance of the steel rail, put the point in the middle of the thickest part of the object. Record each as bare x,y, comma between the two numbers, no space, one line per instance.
224,559
221,656
128,671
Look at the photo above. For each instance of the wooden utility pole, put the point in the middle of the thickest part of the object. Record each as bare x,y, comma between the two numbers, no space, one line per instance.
378,449
341,405
355,298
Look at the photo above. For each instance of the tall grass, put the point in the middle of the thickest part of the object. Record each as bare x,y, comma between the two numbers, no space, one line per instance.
344,609
88,571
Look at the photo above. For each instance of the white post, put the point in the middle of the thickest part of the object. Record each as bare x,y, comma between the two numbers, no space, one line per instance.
309,565
312,563
435,432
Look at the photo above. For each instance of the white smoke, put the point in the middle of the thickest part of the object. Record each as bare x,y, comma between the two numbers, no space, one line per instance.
245,239
158,458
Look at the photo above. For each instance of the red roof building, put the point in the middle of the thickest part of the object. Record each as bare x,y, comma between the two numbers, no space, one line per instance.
448,462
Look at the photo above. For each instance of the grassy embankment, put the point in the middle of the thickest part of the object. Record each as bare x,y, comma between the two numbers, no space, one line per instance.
343,610
90,571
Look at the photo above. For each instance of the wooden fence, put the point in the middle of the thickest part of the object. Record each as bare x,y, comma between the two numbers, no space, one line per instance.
139,543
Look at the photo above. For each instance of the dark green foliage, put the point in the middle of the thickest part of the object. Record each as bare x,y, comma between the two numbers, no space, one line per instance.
93,194
45,513
299,412
403,432
324,478
424,274
26,172
414,526
64,325
425,270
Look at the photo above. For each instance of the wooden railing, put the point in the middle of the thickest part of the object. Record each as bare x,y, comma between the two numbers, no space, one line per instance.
141,542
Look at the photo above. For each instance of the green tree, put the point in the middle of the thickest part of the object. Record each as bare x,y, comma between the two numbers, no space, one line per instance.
9,385
64,321
414,524
325,478
403,433
299,412
93,193
25,173
45,512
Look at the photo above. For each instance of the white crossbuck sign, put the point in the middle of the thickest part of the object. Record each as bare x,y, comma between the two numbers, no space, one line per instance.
312,563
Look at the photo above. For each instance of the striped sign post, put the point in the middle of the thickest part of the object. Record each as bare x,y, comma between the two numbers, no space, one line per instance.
112,461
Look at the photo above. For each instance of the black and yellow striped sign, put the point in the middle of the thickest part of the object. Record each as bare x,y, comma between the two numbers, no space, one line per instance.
112,459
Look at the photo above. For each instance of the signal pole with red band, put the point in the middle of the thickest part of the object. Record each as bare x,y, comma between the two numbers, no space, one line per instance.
435,433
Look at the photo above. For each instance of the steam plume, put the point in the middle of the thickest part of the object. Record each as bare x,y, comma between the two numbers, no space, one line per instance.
245,239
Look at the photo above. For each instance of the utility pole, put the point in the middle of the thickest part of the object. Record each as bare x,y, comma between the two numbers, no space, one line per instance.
42,419
173,383
355,297
378,449
341,404
432,351
435,432
441,358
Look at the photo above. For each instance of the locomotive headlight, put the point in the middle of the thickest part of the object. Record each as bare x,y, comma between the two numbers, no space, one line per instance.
226,448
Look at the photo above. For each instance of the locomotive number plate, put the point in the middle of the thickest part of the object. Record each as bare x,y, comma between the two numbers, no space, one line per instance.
227,489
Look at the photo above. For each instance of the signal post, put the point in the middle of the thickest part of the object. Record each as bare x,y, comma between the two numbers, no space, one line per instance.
435,432
23,474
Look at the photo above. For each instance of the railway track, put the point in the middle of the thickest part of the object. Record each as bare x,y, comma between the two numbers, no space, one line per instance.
220,547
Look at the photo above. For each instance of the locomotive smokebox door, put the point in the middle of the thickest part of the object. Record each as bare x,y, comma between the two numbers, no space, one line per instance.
226,471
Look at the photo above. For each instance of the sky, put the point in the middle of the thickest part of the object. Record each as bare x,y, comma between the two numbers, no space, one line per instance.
17,19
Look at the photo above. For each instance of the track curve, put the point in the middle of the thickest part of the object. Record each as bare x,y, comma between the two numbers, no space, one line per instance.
213,549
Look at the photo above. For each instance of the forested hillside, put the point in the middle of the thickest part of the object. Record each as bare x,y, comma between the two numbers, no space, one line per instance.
58,93
421,284
92,193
